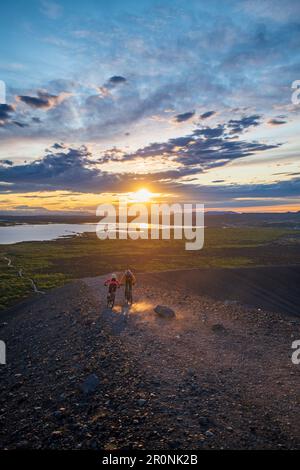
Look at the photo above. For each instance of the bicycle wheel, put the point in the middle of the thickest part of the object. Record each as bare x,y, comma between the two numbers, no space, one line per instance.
128,296
110,301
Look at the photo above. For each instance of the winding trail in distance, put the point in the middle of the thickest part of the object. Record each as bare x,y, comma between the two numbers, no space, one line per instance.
20,274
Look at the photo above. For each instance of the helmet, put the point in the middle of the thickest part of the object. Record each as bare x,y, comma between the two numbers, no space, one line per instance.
114,276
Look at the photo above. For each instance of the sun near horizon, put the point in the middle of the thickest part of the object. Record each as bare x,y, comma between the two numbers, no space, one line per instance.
142,195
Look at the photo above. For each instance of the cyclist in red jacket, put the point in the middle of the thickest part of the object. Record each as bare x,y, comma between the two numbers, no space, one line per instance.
112,284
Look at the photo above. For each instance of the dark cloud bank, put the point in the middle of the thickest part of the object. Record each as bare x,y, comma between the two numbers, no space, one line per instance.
75,169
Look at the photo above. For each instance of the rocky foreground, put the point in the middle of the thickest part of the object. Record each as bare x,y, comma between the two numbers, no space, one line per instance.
218,375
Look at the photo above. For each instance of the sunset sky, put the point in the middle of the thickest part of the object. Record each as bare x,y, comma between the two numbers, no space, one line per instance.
190,101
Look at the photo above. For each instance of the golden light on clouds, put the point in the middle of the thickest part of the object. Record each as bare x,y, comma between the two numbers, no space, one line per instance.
87,202
54,201
72,201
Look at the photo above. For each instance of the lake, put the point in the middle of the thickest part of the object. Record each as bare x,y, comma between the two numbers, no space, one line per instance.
45,232
41,232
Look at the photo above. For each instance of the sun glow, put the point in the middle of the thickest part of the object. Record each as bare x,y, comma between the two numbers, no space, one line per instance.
142,195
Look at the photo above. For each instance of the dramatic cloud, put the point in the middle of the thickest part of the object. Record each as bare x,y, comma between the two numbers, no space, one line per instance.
5,112
69,170
239,125
184,116
210,132
19,124
43,100
207,115
116,80
205,148
58,146
122,78
113,82
276,122
77,168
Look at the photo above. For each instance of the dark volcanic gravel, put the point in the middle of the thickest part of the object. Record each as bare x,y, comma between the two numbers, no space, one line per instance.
79,376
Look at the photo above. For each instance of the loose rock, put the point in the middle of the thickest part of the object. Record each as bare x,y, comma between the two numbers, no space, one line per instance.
165,312
90,384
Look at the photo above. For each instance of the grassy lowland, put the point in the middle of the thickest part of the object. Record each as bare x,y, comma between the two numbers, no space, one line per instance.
53,263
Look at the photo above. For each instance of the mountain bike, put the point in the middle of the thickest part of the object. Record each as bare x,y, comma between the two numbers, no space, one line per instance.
128,293
111,297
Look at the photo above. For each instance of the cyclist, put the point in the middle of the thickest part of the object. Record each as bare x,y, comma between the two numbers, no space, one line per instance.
112,284
129,280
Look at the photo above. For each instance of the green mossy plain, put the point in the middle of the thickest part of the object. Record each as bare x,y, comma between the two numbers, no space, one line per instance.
53,263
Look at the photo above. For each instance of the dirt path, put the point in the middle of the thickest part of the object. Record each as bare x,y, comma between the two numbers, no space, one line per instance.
161,384
20,274
214,364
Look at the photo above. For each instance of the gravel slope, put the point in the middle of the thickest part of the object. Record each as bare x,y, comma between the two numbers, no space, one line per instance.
154,383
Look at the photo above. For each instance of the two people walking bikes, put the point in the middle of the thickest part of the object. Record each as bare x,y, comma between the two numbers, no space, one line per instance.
128,280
